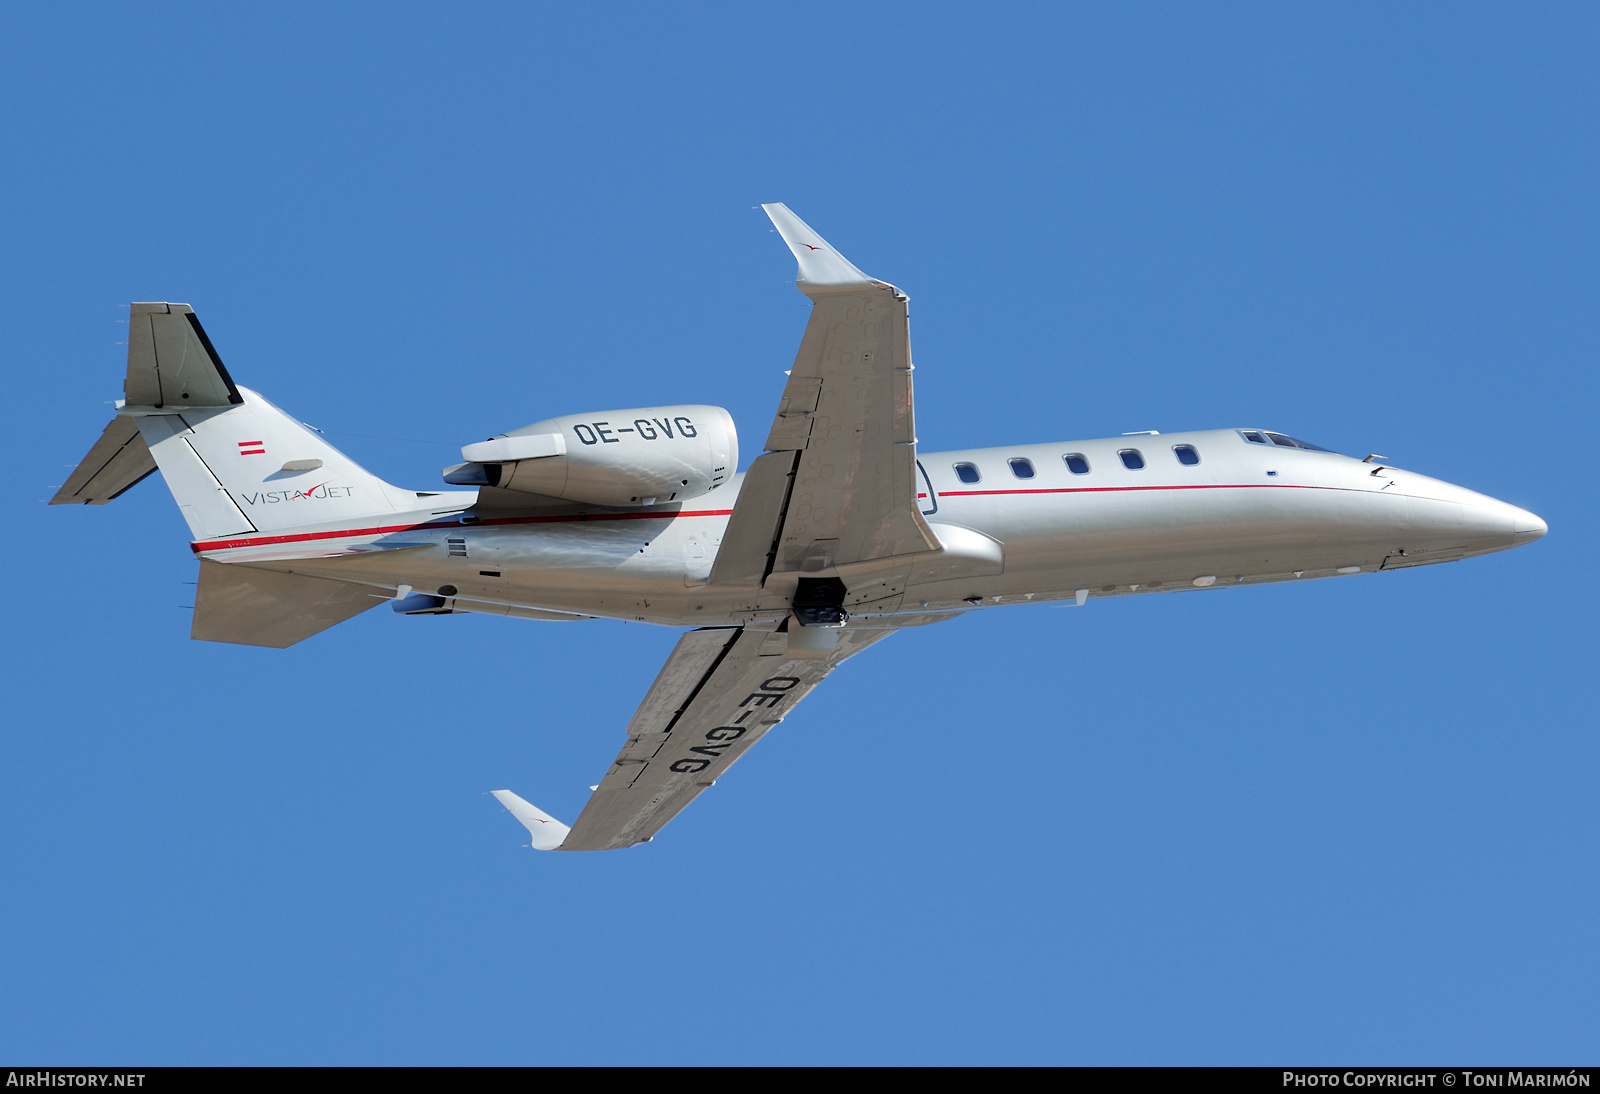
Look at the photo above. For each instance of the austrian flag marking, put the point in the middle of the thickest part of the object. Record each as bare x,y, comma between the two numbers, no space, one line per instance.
252,448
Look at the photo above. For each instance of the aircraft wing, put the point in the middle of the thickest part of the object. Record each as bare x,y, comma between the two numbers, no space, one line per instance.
721,690
837,484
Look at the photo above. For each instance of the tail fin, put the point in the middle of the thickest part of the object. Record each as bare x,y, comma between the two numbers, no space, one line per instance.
234,462
251,467
171,362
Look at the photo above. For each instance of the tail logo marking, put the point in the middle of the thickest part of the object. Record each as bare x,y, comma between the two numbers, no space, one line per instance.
252,448
319,492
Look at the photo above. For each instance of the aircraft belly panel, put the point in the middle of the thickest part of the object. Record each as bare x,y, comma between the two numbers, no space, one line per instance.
632,571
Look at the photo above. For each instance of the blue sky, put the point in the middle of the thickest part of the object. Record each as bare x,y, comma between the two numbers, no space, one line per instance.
1342,821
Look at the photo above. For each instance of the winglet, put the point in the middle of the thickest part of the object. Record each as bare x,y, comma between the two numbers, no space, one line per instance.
548,833
821,267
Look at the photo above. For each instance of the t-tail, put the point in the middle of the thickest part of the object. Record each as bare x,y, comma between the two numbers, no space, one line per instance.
238,467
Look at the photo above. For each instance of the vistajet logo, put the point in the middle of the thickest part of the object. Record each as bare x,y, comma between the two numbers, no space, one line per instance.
320,492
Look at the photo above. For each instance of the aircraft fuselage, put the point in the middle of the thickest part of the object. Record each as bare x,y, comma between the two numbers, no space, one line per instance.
1028,527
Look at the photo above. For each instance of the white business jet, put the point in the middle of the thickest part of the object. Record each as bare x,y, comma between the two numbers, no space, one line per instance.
838,533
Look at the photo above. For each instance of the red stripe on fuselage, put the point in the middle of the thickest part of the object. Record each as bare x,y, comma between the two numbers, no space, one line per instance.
573,518
347,533
1115,489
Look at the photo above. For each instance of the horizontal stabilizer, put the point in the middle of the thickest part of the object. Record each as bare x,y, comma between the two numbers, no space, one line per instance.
118,460
171,362
253,607
547,832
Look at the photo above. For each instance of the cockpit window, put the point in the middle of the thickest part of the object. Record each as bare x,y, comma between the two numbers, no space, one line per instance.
1290,442
1261,436
967,472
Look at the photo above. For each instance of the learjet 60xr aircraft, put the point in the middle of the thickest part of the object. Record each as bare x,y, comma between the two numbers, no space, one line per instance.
839,533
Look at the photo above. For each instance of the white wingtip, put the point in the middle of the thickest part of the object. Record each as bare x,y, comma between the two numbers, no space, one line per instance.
820,265
548,833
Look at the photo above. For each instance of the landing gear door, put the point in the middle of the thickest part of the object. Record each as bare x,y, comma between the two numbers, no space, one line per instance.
927,500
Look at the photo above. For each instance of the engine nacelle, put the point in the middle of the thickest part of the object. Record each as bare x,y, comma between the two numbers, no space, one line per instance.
648,456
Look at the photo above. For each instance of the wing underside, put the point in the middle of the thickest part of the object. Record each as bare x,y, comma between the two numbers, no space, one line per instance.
719,693
833,500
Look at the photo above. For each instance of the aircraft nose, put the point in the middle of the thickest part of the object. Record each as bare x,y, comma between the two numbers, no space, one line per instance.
1525,526
1494,519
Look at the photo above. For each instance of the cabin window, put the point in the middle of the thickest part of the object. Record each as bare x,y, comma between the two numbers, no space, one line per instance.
1077,464
1131,459
1254,437
1186,454
967,472
1021,468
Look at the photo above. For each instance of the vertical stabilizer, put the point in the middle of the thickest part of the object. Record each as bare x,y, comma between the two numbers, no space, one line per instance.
251,467
234,462
171,362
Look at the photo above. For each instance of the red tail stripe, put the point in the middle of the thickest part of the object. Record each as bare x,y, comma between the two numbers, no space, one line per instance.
384,530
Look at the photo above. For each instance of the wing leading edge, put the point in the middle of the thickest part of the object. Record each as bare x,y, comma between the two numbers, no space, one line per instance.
837,484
